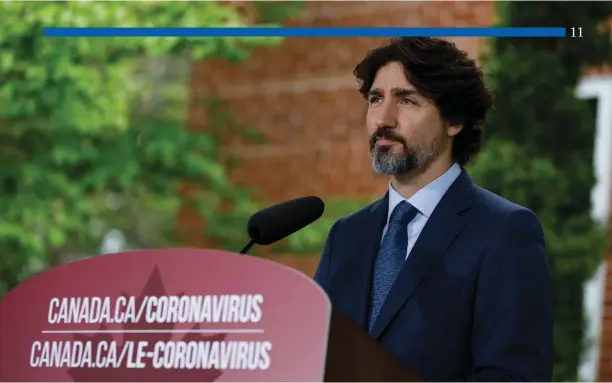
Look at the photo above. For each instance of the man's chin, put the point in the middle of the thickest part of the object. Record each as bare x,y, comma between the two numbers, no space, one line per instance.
390,166
398,165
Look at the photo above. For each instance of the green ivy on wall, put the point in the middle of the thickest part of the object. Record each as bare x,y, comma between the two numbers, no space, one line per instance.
77,158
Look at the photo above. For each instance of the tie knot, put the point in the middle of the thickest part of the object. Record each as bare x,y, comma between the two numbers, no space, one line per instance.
403,213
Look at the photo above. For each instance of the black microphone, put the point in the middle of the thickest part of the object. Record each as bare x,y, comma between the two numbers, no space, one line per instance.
279,221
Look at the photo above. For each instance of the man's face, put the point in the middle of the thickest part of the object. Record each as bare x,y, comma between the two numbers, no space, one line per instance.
405,128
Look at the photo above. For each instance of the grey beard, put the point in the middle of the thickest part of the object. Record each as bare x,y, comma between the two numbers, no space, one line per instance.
395,165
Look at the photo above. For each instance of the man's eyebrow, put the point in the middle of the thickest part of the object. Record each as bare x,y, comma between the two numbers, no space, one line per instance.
375,92
398,92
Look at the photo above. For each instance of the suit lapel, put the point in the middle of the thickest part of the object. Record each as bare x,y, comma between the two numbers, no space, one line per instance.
443,226
367,235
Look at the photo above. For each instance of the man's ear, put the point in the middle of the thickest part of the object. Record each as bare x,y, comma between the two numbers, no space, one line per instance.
453,130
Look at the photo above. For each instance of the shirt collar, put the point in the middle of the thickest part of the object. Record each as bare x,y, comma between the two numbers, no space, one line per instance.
426,199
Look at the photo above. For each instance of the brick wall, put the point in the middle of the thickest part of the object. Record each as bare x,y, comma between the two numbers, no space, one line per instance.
302,97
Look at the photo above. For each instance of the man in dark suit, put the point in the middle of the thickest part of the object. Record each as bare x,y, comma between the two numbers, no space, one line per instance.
450,277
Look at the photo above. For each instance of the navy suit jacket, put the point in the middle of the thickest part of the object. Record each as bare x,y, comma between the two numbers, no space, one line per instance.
473,301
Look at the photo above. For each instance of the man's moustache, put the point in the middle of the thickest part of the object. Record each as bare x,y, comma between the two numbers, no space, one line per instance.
385,136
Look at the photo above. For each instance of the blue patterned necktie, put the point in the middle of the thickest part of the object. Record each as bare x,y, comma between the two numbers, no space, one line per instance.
391,256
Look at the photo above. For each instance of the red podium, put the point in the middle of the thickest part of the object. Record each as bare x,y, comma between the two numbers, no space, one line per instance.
179,315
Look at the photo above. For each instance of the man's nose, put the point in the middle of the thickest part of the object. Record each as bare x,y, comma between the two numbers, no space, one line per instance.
388,115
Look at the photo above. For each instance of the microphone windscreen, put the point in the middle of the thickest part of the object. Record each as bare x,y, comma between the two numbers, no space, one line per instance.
279,221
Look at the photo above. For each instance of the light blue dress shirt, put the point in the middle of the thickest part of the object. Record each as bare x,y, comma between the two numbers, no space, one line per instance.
425,201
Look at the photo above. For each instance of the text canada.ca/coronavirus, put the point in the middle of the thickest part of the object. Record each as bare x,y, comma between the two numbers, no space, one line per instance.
230,355
151,309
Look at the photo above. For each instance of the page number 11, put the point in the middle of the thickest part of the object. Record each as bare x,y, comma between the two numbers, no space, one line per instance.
576,32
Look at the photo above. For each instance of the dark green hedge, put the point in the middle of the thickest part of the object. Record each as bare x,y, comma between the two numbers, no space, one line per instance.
540,148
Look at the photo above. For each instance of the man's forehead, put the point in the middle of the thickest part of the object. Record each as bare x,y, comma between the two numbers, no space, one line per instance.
391,76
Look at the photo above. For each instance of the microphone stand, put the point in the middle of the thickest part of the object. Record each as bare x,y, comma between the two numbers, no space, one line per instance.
247,247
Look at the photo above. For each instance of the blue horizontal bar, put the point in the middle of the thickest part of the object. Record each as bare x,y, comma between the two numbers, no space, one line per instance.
305,32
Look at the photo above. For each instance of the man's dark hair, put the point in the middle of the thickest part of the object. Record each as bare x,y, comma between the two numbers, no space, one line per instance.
444,74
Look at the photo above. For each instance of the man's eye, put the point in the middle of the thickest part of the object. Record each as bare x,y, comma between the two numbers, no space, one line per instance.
407,101
374,99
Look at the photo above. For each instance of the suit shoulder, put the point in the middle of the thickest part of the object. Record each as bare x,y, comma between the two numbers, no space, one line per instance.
498,206
504,217
514,232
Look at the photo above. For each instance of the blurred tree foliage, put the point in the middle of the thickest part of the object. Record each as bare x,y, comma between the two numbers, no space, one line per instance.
310,240
75,158
539,150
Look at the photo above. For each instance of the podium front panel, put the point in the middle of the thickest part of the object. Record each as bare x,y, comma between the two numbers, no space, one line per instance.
173,315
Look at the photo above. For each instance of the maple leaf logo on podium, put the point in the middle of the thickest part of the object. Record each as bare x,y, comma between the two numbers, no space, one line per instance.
153,287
